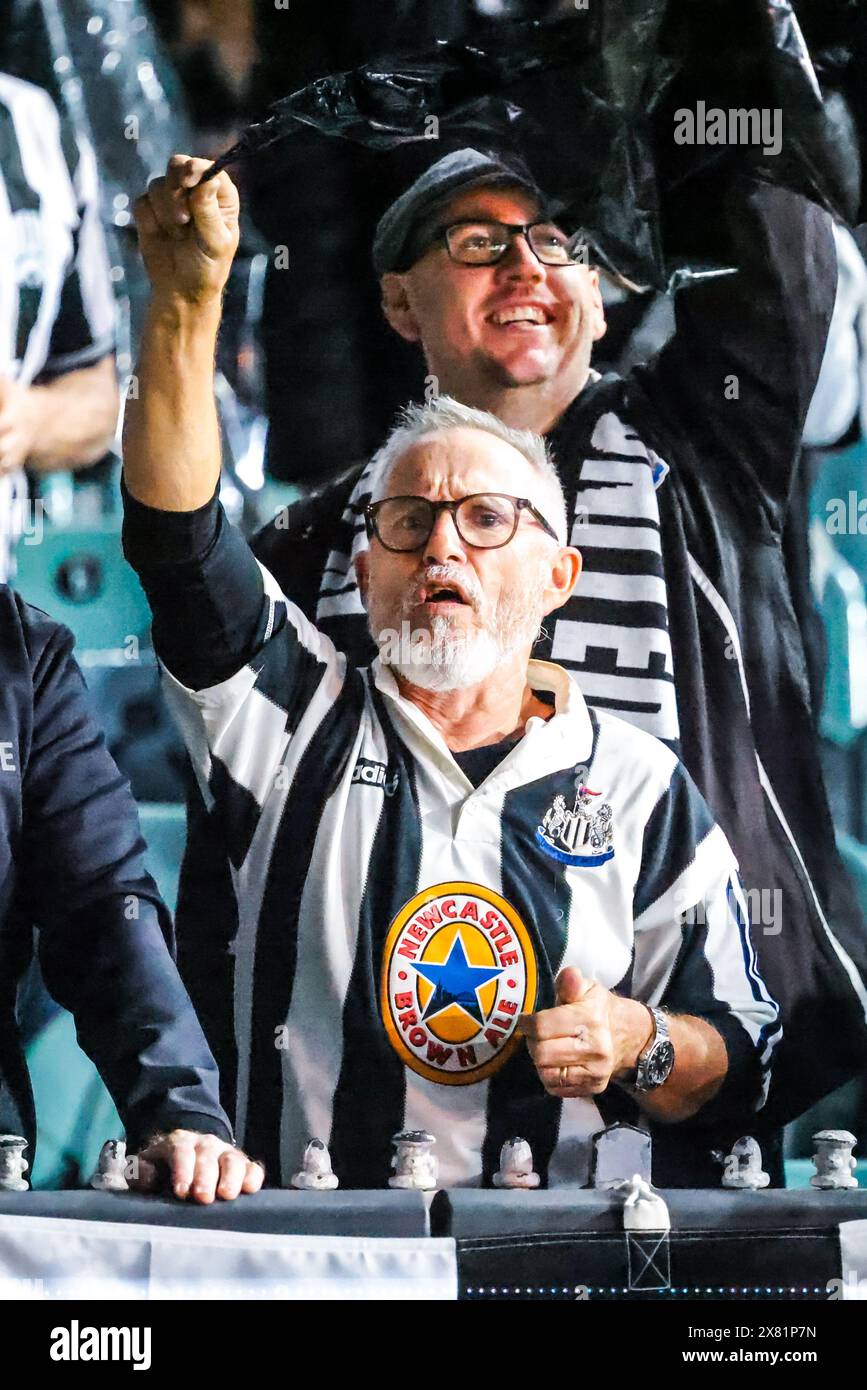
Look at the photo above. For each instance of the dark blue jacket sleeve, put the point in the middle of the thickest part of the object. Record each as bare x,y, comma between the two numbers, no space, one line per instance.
105,936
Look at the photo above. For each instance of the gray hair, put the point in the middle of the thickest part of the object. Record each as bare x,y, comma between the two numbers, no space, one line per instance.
445,413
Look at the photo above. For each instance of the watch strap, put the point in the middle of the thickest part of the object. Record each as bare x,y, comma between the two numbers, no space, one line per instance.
661,1033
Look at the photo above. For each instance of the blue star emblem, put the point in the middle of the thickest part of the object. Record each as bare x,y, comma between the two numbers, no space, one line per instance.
455,981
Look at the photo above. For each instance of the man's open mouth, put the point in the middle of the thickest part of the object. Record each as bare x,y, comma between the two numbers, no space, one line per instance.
531,315
442,594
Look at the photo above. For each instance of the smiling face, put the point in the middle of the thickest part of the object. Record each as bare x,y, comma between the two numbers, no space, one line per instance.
515,323
459,612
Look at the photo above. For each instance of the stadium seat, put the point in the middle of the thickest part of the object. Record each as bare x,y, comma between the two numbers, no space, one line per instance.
141,736
854,856
844,1109
841,598
164,827
80,577
75,1113
839,488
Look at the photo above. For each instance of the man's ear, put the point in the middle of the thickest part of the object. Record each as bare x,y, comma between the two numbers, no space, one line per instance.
565,573
362,573
396,307
597,313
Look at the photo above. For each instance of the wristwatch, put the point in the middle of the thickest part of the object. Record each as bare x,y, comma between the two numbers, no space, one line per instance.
657,1059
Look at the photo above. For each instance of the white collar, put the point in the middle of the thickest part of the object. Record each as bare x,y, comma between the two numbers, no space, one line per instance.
563,740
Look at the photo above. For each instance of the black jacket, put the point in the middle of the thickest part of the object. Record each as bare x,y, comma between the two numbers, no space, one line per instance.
723,405
71,865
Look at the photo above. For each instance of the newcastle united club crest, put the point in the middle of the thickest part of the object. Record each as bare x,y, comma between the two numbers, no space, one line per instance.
579,834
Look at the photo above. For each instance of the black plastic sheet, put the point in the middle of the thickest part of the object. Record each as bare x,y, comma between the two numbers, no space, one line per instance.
546,90
589,102
751,55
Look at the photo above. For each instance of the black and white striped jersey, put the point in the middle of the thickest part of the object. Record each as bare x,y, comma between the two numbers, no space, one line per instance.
57,307
392,920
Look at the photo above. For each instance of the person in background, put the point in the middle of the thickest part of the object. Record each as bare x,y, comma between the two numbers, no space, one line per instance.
58,388
71,865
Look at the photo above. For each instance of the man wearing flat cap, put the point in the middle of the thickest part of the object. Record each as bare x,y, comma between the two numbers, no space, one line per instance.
676,480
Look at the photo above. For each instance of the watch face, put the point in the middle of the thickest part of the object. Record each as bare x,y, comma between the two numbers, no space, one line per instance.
659,1064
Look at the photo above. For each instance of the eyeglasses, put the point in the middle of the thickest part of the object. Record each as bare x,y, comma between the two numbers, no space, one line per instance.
484,520
485,243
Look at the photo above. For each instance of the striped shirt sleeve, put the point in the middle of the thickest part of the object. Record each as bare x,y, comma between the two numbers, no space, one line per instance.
84,328
693,944
244,667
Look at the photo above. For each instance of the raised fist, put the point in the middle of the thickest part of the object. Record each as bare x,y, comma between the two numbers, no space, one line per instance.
188,231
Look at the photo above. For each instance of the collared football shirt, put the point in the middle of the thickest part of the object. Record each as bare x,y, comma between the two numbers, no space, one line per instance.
57,307
393,921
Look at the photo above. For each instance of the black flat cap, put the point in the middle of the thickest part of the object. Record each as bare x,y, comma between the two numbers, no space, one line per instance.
398,227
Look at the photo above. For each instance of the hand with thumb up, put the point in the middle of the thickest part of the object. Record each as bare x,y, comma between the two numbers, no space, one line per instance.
588,1039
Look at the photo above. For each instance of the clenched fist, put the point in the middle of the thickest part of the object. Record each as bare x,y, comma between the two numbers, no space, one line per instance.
188,231
590,1038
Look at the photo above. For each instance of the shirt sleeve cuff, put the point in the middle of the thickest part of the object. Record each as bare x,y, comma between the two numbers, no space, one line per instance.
58,364
153,538
742,1090
181,1119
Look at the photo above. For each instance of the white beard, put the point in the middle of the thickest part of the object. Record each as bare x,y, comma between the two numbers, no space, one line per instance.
450,661
446,657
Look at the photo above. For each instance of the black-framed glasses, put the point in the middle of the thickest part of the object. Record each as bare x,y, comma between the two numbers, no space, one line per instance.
484,520
480,242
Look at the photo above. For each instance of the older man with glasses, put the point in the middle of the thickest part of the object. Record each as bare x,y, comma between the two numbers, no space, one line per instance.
446,856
